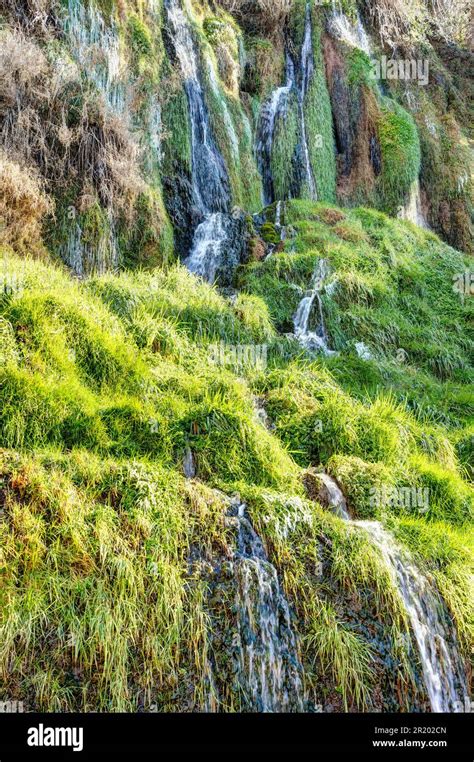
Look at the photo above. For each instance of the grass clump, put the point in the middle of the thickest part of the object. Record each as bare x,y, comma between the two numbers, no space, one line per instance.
400,148
94,572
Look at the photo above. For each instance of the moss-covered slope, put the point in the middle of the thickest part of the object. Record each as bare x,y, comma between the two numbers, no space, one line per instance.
114,594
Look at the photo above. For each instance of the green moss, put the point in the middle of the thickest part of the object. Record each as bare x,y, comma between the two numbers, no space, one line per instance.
319,123
269,233
150,241
177,143
400,148
285,142
359,69
140,37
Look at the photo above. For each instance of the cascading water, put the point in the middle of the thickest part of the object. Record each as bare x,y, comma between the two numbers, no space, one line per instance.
269,670
276,107
210,181
96,47
306,74
209,175
442,666
443,671
209,244
271,111
334,496
352,32
413,209
313,339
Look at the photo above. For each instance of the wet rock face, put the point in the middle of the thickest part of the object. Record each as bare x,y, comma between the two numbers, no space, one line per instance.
356,138
345,107
253,660
234,252
189,464
182,212
375,154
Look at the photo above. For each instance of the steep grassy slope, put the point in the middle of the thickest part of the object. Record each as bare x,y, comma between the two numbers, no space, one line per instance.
115,594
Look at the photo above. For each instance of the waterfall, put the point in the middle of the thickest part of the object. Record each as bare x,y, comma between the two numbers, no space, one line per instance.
209,246
442,667
96,47
276,107
307,70
441,663
334,496
413,209
268,666
271,110
352,32
210,182
209,175
318,339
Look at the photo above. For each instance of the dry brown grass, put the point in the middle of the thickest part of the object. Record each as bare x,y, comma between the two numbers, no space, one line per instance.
402,24
454,20
398,22
262,16
23,205
34,16
91,148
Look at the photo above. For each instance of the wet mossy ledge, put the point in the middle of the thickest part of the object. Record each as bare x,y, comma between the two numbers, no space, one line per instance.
116,588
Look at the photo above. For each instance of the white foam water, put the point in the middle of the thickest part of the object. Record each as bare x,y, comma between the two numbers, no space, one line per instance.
443,672
276,107
350,31
269,670
335,497
208,246
316,339
413,209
